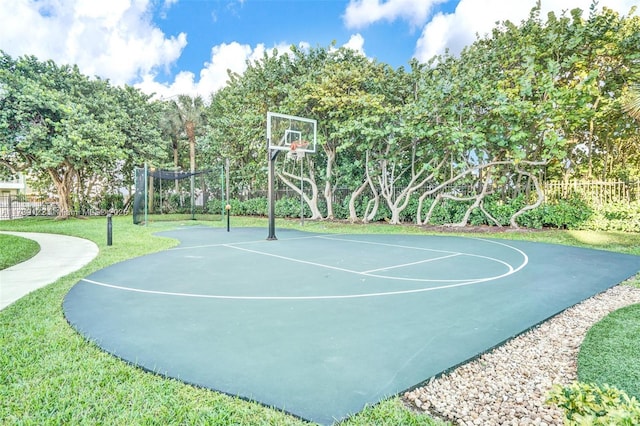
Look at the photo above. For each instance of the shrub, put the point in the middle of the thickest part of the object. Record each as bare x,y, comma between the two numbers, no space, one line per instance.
570,213
256,206
340,210
290,207
111,201
237,207
383,211
410,212
615,217
589,404
446,211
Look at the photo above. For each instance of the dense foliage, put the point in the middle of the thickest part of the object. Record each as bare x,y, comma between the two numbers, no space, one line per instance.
590,404
74,131
458,140
545,99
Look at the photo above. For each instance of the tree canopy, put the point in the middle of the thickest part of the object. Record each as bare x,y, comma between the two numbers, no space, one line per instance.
75,130
543,99
553,97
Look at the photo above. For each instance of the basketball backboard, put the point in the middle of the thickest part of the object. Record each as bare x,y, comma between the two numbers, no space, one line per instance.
285,132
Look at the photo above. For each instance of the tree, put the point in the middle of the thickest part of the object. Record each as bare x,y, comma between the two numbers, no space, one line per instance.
523,99
58,122
355,101
190,111
237,119
191,114
631,103
536,100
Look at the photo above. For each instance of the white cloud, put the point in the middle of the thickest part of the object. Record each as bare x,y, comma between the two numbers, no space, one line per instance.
214,75
458,29
361,13
114,39
356,42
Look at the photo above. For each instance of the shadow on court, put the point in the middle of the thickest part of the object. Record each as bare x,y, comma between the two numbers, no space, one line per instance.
321,325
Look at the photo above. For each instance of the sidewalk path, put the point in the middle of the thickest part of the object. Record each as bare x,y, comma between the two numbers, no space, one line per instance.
59,255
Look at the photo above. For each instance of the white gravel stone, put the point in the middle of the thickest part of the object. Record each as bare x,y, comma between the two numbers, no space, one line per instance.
509,385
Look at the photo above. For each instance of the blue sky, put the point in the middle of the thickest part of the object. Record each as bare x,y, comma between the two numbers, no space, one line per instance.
171,47
280,22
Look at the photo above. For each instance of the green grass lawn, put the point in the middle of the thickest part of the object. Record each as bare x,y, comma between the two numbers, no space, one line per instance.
15,250
610,351
51,375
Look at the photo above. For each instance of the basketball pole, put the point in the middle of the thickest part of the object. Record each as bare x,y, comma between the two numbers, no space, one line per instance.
272,154
301,193
226,166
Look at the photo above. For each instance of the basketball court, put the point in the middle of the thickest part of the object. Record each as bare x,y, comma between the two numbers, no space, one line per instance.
321,325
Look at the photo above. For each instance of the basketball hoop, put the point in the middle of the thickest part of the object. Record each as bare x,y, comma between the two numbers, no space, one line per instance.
296,150
297,136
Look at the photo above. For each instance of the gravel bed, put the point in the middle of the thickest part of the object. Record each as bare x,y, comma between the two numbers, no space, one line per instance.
508,385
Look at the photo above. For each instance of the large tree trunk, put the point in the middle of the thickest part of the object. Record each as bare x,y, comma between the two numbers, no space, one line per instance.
371,209
397,202
539,192
63,181
312,201
442,185
353,215
151,194
328,189
190,128
176,160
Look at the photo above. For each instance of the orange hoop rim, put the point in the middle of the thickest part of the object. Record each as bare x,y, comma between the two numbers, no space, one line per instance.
298,144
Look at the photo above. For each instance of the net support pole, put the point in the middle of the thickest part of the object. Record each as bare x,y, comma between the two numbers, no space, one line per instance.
192,184
272,154
146,193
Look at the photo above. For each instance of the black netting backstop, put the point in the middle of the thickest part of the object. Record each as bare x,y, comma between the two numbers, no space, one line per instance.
174,194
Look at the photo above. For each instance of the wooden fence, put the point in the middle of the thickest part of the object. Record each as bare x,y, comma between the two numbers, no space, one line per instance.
594,192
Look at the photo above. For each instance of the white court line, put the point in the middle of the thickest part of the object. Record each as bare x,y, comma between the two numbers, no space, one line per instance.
216,296
293,259
374,243
510,268
453,283
238,243
366,274
386,268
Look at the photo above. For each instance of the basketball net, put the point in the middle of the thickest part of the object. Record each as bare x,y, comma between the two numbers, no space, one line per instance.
296,150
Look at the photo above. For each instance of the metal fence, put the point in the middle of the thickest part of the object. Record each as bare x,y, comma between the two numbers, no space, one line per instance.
17,206
597,193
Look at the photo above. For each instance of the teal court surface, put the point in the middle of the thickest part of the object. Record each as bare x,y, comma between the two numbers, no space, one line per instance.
321,325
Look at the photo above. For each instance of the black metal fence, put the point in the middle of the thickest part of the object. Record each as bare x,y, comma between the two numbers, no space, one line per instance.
597,193
17,206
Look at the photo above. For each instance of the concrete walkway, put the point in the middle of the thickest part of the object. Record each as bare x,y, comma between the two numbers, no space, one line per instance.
59,255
